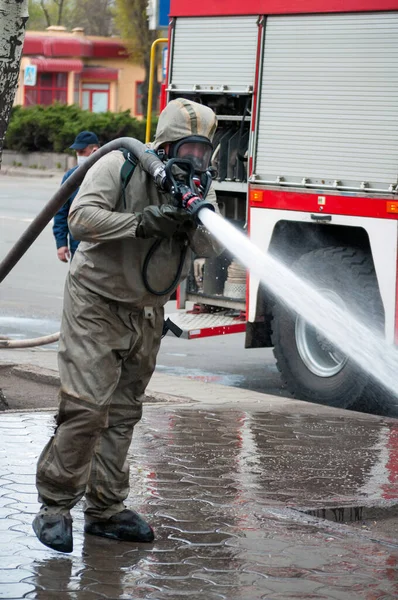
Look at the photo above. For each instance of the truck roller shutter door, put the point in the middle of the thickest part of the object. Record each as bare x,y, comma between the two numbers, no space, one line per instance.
329,100
212,52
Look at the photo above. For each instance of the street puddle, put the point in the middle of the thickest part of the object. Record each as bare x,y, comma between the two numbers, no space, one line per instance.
233,380
352,514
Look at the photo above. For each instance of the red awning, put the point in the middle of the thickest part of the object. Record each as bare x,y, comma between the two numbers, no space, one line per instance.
109,49
71,46
56,46
99,73
58,65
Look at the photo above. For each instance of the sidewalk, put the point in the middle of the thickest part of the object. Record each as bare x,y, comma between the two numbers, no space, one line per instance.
26,172
236,485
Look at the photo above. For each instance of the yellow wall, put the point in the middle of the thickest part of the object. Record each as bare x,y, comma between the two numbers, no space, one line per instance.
122,92
129,74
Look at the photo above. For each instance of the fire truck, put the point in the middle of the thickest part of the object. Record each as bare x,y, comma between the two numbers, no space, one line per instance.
306,164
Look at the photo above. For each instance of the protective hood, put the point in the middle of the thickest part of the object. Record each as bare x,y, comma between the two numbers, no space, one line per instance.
182,118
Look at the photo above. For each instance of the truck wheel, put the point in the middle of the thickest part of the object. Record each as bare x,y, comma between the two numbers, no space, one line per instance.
311,367
375,399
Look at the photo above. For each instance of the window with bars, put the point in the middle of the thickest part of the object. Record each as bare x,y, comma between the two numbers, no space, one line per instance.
49,88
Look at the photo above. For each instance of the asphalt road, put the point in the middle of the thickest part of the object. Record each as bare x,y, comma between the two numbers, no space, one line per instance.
31,300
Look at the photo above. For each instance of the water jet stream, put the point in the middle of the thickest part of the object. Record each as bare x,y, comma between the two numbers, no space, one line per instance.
365,347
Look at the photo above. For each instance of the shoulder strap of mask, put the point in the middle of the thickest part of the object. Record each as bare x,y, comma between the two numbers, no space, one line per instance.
127,170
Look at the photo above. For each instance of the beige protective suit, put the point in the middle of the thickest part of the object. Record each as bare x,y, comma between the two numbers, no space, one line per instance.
112,325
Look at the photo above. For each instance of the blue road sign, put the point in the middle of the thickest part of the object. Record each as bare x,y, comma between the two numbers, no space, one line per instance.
163,14
30,75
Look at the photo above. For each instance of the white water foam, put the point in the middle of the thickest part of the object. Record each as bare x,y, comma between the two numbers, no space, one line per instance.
368,349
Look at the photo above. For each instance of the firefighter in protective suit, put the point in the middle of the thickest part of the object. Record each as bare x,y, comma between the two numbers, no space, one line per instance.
111,329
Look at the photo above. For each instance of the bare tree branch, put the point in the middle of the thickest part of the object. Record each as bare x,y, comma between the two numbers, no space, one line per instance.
60,9
45,12
131,17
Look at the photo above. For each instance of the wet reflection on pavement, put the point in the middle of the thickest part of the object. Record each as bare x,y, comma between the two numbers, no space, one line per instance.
219,488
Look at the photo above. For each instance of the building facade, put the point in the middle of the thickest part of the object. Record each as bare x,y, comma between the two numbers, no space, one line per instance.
72,68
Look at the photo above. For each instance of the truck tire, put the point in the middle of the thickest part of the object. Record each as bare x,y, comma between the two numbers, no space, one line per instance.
311,367
375,399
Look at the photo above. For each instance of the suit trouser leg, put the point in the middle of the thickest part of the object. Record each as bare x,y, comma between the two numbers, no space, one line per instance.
95,341
108,486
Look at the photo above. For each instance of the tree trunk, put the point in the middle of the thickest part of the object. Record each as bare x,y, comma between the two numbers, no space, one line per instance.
13,17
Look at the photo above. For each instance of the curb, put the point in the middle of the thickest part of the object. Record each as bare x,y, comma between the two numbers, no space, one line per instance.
152,397
161,390
38,374
50,377
32,372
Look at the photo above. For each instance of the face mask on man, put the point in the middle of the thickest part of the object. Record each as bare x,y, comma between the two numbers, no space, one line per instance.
81,160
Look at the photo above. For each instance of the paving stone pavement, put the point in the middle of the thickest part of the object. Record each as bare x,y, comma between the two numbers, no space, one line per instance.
222,489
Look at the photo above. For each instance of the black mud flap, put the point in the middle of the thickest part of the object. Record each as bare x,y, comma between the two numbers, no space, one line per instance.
168,325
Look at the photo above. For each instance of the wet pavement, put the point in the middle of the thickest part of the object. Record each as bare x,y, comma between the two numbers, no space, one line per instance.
216,360
225,490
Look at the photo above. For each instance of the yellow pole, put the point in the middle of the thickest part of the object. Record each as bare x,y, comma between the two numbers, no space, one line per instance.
150,87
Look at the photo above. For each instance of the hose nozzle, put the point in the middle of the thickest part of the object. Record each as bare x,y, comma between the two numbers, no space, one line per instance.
193,203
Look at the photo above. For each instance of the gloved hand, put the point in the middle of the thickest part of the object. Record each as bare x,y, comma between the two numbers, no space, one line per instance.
163,221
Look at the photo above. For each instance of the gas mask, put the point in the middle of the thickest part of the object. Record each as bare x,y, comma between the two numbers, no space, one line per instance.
195,148
188,162
189,189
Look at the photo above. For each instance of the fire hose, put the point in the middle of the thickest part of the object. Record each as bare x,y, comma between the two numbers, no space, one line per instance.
182,192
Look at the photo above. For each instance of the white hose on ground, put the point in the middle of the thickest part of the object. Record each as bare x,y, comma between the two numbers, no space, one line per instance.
31,343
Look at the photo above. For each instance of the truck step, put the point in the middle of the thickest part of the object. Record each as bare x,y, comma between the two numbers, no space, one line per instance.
202,325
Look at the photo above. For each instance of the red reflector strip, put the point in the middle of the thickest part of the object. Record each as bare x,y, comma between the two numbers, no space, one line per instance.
332,204
222,330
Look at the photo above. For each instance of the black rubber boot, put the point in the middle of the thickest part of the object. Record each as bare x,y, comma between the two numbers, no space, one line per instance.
127,526
54,531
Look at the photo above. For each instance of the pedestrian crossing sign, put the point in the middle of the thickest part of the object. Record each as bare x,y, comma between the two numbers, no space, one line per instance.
30,75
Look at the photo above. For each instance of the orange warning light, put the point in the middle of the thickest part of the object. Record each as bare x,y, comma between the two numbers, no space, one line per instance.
256,195
392,207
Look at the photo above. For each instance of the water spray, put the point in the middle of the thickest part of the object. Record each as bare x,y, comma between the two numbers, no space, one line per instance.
367,348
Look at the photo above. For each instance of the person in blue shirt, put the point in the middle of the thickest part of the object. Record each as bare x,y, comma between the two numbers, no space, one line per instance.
86,142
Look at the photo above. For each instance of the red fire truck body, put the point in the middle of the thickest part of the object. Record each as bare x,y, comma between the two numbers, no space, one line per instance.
306,155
